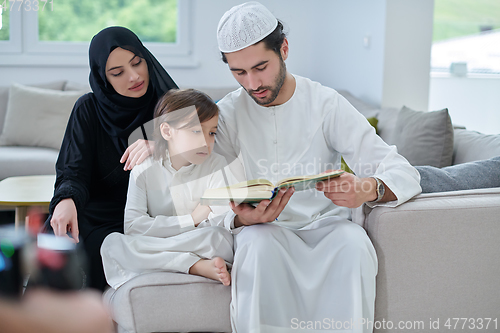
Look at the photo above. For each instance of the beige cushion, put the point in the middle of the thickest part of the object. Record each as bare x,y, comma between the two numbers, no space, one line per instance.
36,116
75,86
425,138
474,146
4,96
27,161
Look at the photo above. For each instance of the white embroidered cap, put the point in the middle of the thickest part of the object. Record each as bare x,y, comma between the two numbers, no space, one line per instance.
244,25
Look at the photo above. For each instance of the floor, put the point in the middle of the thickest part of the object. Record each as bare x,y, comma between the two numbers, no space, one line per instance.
7,216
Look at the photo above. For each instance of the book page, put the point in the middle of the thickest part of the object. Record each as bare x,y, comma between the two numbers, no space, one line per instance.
245,194
306,182
252,183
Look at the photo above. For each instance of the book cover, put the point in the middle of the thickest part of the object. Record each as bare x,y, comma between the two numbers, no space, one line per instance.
256,190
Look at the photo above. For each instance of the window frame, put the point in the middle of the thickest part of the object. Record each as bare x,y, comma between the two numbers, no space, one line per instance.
24,47
13,45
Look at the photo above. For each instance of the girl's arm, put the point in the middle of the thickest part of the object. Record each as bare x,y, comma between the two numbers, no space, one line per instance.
139,222
220,177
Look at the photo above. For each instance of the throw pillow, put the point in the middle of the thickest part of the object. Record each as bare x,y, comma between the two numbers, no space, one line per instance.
4,96
74,86
424,138
36,116
473,146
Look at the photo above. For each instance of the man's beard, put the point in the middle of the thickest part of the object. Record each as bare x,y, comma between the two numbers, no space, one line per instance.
273,91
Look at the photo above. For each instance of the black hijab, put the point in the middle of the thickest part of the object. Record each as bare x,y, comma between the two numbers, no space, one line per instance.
121,115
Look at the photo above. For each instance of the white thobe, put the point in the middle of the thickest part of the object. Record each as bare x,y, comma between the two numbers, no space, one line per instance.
313,265
160,233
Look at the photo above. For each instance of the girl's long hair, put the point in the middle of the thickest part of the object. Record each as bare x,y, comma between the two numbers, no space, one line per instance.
181,101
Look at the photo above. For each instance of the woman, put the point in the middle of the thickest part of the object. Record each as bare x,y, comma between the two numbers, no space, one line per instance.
91,185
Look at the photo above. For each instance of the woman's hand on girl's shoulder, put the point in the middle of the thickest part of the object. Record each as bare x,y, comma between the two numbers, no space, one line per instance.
136,153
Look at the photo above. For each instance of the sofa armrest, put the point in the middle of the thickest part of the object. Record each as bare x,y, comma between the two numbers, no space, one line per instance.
170,302
438,257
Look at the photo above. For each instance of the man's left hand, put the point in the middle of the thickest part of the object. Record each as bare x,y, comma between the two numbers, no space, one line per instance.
349,190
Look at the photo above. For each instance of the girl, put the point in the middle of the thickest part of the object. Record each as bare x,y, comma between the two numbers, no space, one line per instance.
91,185
165,226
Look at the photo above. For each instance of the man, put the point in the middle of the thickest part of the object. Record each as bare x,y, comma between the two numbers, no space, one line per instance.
299,262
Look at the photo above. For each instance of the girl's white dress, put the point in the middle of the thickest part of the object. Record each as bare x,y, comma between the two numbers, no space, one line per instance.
160,234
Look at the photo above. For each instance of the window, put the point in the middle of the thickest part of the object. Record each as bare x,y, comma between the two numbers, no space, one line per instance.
10,28
466,37
59,31
78,21
4,24
465,63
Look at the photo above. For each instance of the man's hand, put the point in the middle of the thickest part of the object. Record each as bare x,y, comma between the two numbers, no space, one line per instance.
349,190
64,219
266,211
136,153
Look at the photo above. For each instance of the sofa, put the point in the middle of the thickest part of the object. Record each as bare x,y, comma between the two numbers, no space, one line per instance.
438,253
32,123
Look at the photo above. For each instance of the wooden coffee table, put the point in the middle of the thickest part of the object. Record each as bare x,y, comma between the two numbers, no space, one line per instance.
26,191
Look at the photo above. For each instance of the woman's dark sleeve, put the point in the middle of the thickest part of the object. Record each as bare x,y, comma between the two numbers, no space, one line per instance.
74,164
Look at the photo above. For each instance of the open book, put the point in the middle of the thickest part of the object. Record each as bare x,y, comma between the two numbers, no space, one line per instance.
256,190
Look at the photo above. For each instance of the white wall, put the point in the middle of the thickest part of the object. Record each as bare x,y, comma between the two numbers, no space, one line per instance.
326,45
338,56
379,50
408,41
473,101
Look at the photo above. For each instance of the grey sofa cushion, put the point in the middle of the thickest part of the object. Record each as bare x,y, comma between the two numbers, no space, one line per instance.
27,161
4,96
367,110
473,146
170,302
425,138
36,116
386,126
